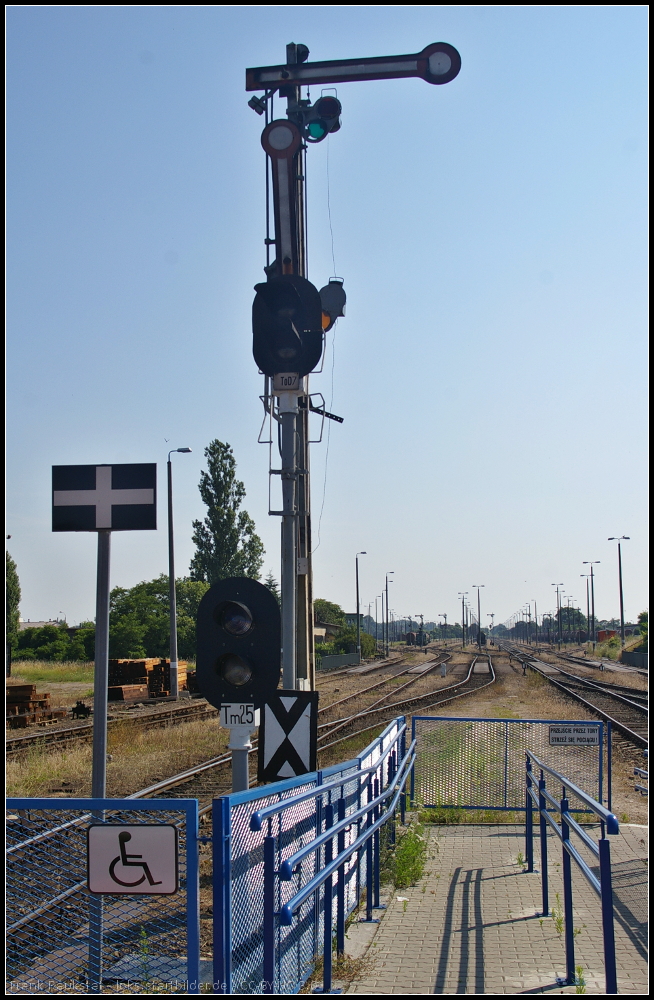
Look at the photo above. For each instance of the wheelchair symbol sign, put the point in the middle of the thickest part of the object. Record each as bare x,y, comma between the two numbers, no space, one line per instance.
135,860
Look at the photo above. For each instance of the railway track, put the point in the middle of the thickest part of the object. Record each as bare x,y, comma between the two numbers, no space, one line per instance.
169,715
586,661
625,708
165,715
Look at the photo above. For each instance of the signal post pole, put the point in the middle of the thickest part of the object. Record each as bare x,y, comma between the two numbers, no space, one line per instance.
288,411
305,676
285,144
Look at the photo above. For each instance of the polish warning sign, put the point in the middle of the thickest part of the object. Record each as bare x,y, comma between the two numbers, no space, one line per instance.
575,735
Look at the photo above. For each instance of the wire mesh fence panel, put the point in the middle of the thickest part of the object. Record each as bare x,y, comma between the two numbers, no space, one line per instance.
61,938
480,763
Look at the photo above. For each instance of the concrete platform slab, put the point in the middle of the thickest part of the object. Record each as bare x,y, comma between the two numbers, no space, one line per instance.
473,924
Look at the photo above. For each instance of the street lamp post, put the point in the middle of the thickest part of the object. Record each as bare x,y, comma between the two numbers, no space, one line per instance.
358,619
569,620
477,587
536,623
390,573
558,611
586,576
592,597
622,538
174,685
462,594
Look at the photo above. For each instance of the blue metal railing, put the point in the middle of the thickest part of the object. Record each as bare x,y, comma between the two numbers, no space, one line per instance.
248,861
384,786
537,795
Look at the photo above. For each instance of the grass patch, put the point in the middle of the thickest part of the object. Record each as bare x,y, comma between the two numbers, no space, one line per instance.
506,713
138,759
450,817
40,671
350,748
609,650
404,862
344,970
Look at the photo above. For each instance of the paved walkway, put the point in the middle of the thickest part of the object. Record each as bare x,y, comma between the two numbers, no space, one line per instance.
472,924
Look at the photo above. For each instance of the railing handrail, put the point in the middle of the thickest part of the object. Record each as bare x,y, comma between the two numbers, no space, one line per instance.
286,868
611,820
538,794
288,909
259,817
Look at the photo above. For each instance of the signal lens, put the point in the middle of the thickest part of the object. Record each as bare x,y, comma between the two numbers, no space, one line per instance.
317,130
235,618
234,670
328,107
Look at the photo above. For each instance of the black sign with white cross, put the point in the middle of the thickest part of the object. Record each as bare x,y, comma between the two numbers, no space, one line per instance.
288,735
92,497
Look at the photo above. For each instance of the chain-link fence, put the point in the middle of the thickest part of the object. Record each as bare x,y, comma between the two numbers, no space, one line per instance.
62,938
479,763
239,873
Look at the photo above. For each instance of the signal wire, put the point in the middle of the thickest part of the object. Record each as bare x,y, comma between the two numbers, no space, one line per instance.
331,400
329,431
329,210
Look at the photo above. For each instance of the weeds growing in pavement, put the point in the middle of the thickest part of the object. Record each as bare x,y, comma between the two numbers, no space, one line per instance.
580,982
404,861
443,816
557,916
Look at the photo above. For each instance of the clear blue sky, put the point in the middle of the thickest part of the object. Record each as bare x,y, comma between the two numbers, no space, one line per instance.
492,237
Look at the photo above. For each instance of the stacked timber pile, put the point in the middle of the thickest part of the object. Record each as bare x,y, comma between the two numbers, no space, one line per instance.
134,680
25,706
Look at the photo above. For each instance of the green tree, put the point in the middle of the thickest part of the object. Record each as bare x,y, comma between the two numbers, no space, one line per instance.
13,600
325,611
226,542
348,638
82,643
273,586
643,622
139,620
50,642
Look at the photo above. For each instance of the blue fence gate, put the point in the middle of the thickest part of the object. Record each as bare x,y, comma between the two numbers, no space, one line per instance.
479,763
62,938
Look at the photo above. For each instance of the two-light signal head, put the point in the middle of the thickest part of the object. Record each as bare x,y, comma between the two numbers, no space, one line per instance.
238,643
287,325
322,118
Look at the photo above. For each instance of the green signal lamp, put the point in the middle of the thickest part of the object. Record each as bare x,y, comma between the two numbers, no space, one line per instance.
322,118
